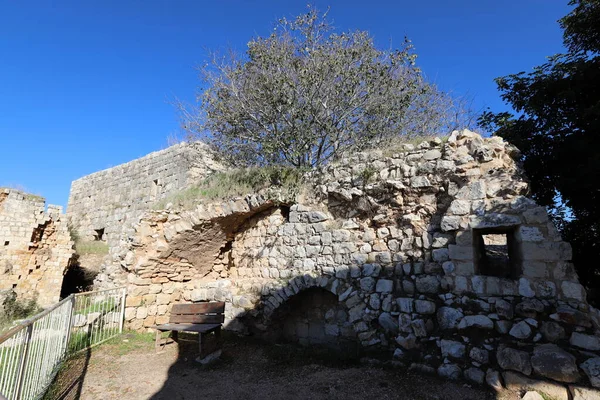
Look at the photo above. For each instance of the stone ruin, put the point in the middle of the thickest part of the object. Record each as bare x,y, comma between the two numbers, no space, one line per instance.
105,204
35,247
430,256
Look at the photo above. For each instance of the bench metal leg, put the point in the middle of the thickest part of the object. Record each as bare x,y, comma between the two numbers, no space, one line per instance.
200,354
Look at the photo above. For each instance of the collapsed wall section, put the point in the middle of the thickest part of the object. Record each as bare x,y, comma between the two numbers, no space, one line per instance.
105,203
434,252
35,247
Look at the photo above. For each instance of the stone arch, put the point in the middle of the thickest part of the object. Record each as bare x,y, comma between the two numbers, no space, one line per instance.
310,311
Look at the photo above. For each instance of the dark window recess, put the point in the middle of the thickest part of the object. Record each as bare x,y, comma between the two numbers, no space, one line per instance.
497,252
99,234
285,212
155,187
38,233
6,243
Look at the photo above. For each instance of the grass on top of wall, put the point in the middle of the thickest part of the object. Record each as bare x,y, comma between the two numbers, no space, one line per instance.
237,183
84,247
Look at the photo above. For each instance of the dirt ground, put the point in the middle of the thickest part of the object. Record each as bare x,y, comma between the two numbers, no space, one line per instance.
128,368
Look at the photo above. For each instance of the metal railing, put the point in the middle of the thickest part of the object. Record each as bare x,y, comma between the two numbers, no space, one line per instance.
31,352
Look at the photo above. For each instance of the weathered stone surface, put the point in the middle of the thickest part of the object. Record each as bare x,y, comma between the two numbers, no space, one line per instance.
519,383
405,305
424,307
479,355
387,269
475,375
552,331
384,286
493,379
35,248
532,396
583,393
552,362
584,341
428,284
450,223
451,348
520,330
475,321
513,359
449,371
591,367
449,318
388,322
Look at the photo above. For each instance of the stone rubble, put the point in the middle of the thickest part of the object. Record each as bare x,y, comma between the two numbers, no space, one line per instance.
35,247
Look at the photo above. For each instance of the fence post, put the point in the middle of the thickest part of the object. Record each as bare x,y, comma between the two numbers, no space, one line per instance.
23,362
70,325
122,310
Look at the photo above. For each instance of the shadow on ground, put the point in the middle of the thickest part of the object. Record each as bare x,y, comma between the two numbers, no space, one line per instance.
252,369
247,369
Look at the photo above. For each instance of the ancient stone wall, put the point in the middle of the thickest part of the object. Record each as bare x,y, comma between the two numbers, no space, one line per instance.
35,247
435,254
103,204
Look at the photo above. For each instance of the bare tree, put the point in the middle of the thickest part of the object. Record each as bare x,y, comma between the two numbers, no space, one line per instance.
304,94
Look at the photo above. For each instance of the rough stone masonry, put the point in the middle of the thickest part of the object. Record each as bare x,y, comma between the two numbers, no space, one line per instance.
104,204
35,247
434,252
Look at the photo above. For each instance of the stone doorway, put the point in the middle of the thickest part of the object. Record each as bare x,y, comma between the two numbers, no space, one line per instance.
314,317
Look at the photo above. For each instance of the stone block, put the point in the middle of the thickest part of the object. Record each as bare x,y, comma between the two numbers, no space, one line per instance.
450,223
460,252
515,360
424,307
519,383
552,362
440,255
451,348
384,286
573,290
583,393
405,305
449,317
591,367
449,371
583,341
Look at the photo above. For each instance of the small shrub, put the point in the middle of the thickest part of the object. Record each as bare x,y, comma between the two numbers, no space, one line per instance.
15,309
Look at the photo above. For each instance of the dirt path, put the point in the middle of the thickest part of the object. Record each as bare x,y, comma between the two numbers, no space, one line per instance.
246,370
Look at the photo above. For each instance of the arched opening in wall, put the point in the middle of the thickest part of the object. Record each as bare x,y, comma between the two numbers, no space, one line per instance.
313,317
77,279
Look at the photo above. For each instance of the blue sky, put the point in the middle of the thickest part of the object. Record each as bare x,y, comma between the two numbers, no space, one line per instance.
86,85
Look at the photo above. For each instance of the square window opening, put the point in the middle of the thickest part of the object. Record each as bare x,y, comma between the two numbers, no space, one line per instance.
497,252
99,234
6,243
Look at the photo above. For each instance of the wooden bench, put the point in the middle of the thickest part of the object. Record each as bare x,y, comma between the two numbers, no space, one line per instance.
201,318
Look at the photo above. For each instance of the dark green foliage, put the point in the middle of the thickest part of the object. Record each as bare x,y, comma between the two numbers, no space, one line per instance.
305,94
557,128
17,309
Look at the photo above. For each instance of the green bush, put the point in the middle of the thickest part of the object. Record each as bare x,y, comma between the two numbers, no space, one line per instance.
15,309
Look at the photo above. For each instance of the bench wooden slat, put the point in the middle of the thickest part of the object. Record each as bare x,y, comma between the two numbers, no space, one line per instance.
199,308
196,319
